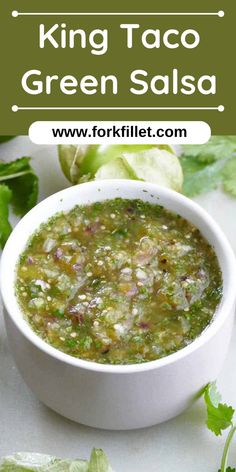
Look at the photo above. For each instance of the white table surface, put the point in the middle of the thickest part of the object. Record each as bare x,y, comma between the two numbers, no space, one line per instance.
180,445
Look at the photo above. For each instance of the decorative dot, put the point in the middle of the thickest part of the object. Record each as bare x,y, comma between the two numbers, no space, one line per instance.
221,108
221,13
15,13
15,108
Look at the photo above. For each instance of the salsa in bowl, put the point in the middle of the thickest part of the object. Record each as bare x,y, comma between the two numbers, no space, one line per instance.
101,389
118,282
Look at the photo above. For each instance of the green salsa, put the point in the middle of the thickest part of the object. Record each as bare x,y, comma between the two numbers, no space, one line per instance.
118,282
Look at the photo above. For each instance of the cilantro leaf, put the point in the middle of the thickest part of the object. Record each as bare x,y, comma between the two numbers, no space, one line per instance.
229,177
199,177
229,469
12,169
212,394
5,227
209,165
218,147
20,178
19,188
219,418
219,415
24,191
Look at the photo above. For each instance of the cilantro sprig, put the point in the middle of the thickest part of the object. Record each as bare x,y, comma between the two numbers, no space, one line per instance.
219,417
209,166
18,188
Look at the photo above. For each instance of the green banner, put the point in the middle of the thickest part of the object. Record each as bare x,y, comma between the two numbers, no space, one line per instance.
117,61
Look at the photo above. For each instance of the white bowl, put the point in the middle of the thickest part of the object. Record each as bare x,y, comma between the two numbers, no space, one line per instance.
107,396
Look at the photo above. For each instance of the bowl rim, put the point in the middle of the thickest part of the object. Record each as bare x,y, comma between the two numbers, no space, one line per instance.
225,306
